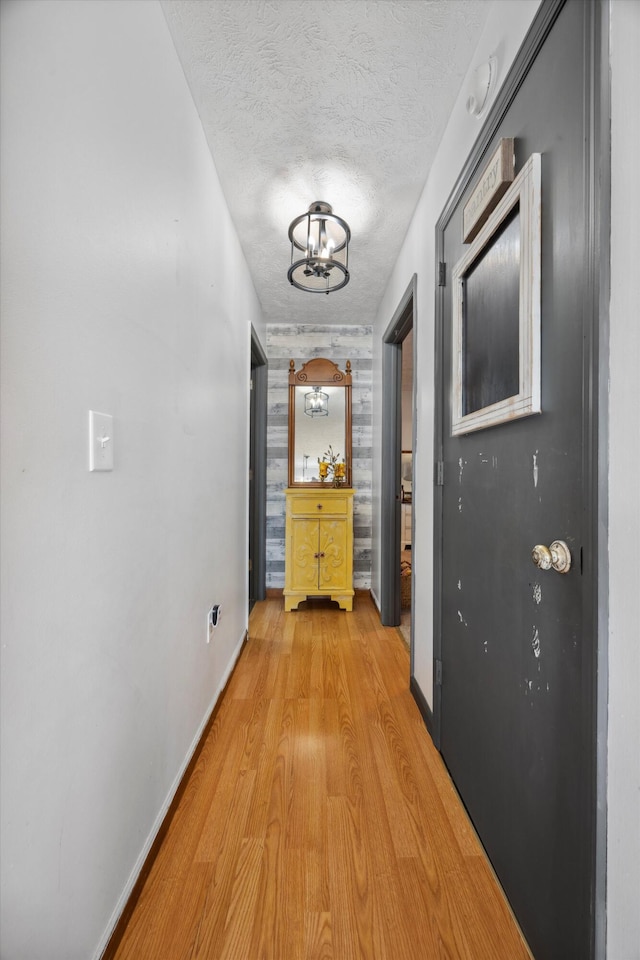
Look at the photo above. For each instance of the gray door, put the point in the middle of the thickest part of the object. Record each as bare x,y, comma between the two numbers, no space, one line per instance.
517,710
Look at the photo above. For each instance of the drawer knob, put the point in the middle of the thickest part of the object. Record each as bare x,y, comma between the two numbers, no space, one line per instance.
319,506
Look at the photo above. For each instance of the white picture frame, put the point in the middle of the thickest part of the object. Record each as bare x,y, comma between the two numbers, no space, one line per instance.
525,191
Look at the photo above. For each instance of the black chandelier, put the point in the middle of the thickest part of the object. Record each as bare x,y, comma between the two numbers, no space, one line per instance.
324,239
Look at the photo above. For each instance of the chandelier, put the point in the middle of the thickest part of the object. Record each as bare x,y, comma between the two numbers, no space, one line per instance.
324,239
316,403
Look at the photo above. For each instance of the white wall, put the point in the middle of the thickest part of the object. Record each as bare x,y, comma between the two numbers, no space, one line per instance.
124,290
623,875
505,29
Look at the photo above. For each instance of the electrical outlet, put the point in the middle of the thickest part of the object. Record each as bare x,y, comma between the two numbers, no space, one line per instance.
213,619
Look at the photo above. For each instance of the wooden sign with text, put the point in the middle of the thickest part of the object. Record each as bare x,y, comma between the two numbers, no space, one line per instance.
491,186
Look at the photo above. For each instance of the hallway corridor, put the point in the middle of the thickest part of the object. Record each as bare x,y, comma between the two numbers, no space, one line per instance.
319,821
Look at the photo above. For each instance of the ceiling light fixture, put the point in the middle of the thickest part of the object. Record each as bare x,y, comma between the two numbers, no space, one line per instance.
324,240
316,403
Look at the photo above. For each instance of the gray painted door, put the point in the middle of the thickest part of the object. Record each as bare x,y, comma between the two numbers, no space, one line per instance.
517,647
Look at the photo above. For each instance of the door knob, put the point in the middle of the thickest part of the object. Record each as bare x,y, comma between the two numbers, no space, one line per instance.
557,556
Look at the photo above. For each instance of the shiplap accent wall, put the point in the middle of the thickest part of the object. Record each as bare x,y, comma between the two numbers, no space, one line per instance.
302,342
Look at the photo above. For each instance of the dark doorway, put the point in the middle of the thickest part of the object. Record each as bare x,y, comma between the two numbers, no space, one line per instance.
257,471
515,646
402,323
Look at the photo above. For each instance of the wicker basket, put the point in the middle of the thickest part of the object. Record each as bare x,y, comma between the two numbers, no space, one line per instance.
405,584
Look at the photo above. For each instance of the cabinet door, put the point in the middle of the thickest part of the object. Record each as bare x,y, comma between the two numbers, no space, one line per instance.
304,554
333,544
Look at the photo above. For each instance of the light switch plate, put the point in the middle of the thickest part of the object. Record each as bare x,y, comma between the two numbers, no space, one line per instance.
100,441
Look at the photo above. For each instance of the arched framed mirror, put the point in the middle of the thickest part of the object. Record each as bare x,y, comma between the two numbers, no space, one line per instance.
319,419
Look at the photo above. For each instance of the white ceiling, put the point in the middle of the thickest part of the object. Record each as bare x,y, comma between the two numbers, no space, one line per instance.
343,101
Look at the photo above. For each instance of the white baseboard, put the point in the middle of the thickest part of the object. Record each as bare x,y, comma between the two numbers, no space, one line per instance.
375,599
140,862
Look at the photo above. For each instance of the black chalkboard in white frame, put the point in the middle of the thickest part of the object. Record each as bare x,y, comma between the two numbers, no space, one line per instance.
496,312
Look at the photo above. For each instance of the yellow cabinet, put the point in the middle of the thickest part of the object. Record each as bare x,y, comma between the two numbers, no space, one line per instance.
319,546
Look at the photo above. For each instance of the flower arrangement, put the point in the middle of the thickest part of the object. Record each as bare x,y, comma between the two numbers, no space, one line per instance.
331,466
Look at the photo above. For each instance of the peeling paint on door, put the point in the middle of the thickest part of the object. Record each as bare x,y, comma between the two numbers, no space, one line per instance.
537,592
535,469
532,686
535,643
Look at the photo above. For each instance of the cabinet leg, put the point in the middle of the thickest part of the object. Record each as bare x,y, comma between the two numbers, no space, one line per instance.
344,602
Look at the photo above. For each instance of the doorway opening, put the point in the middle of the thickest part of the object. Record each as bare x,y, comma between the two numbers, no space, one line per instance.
398,450
406,487
257,471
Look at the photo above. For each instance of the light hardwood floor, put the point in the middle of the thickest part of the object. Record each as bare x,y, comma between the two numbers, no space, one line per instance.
319,821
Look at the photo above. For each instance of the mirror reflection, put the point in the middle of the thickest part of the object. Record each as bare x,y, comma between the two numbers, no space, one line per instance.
315,432
319,424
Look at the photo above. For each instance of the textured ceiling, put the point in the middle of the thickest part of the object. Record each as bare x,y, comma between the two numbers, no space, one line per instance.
343,101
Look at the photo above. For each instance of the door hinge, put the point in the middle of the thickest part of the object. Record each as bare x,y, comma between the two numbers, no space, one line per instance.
442,274
250,565
251,384
438,671
439,473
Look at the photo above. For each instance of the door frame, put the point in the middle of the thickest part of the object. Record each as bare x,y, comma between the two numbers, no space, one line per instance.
597,157
258,463
403,321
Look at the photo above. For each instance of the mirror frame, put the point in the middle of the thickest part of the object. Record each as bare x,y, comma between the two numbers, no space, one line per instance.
319,372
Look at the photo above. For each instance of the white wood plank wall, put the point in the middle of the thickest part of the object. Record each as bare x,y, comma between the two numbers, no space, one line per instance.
301,342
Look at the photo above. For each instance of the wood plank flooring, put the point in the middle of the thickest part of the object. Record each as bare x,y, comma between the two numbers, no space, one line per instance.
319,822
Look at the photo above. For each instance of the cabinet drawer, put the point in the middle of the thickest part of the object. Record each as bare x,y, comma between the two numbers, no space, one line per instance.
306,504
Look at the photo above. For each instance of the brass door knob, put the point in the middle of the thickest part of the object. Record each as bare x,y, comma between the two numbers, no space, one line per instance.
541,556
557,555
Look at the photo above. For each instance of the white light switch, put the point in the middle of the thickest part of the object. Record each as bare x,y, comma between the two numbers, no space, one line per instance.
100,441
